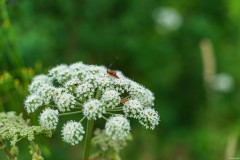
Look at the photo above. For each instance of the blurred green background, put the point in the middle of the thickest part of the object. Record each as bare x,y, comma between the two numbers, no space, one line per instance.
156,43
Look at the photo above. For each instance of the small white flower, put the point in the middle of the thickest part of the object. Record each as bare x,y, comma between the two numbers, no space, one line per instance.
44,78
61,73
37,83
132,108
71,84
144,95
85,90
49,119
78,70
103,82
33,102
149,118
47,93
121,85
117,127
72,132
93,109
64,101
94,69
111,98
92,79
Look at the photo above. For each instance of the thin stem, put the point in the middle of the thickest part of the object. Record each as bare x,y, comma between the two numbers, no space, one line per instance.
50,105
7,151
88,138
117,108
69,113
109,113
82,119
98,94
78,103
114,110
78,107
105,118
89,133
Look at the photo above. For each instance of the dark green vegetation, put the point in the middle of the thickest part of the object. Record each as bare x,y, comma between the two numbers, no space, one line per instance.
196,122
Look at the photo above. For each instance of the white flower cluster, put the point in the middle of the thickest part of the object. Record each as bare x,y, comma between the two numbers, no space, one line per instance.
95,92
72,132
93,109
117,127
49,119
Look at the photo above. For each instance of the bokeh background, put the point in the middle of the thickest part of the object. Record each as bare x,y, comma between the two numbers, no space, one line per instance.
186,52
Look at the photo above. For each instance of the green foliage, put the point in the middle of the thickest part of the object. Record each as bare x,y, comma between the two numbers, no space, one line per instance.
14,86
13,128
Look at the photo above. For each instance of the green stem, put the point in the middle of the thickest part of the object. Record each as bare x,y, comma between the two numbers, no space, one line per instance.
89,133
114,110
98,94
105,118
69,113
82,119
50,105
110,113
78,103
88,138
7,151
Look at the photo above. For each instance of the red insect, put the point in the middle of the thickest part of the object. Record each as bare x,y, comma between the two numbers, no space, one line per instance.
112,73
124,100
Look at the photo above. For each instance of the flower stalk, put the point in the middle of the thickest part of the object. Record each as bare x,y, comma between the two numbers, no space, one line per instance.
90,124
7,151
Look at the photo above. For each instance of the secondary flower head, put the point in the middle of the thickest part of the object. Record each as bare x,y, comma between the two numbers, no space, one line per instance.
94,92
49,119
72,132
60,73
149,118
47,93
142,94
85,90
117,127
64,101
111,98
132,108
93,109
33,102
38,82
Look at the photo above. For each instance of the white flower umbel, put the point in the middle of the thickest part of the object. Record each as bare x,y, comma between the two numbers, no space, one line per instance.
149,118
49,119
93,109
117,127
111,98
72,132
32,103
94,92
132,108
65,101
